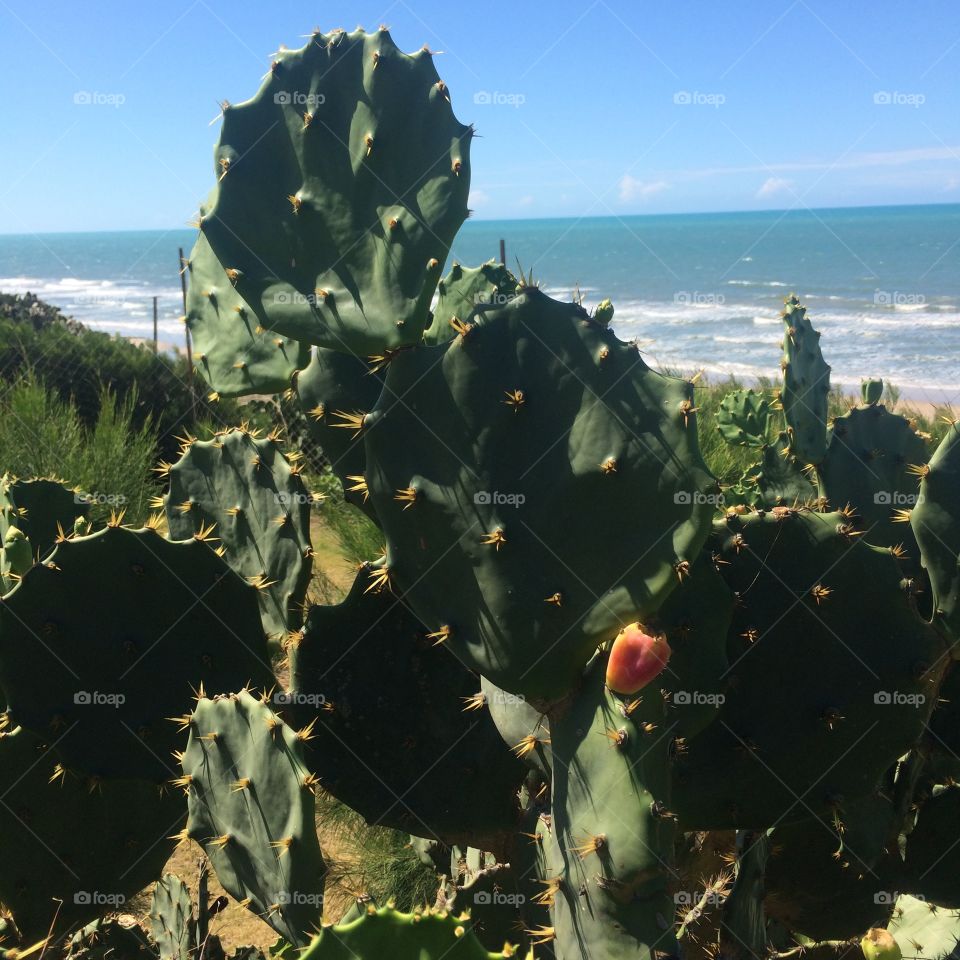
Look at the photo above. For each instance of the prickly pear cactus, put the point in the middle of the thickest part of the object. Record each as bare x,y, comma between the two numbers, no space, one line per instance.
923,931
172,926
806,384
54,878
251,805
40,508
383,932
242,490
777,480
548,437
819,606
743,418
438,768
108,638
873,462
461,291
342,183
333,390
16,557
231,351
612,826
936,524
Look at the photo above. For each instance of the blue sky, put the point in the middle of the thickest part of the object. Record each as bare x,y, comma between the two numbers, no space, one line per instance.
586,107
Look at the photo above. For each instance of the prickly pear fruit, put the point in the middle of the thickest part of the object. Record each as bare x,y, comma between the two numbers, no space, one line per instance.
635,659
879,944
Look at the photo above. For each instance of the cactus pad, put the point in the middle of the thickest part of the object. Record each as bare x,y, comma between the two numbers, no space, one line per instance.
861,674
548,438
462,290
259,509
385,932
47,819
806,384
743,418
343,182
936,524
39,508
108,638
251,806
232,352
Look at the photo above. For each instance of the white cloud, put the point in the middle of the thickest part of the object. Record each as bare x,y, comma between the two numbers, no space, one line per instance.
525,201
774,185
633,189
478,198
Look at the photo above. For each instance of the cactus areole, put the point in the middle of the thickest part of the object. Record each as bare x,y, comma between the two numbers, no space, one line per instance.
635,659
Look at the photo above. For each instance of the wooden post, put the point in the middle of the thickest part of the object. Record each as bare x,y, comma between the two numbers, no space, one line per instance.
503,251
183,292
154,326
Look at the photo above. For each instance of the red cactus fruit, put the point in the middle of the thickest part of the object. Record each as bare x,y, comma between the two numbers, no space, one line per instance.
635,659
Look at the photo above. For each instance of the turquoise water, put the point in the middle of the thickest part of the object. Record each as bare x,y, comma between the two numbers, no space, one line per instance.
699,290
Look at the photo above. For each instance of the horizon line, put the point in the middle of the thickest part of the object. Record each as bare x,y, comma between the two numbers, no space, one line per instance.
516,219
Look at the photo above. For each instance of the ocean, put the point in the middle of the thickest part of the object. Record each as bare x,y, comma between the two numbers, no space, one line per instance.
695,290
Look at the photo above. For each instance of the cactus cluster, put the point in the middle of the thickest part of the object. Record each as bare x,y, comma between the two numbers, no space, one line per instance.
626,710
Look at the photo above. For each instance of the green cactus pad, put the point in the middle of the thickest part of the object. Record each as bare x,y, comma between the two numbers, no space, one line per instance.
871,391
40,509
462,290
825,611
436,768
16,557
936,525
546,438
806,384
89,843
829,878
776,481
251,806
923,931
105,641
743,418
259,508
172,925
231,351
385,932
332,388
612,827
868,465
343,182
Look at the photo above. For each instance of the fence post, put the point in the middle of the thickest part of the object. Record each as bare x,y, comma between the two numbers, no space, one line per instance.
154,326
183,291
503,251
